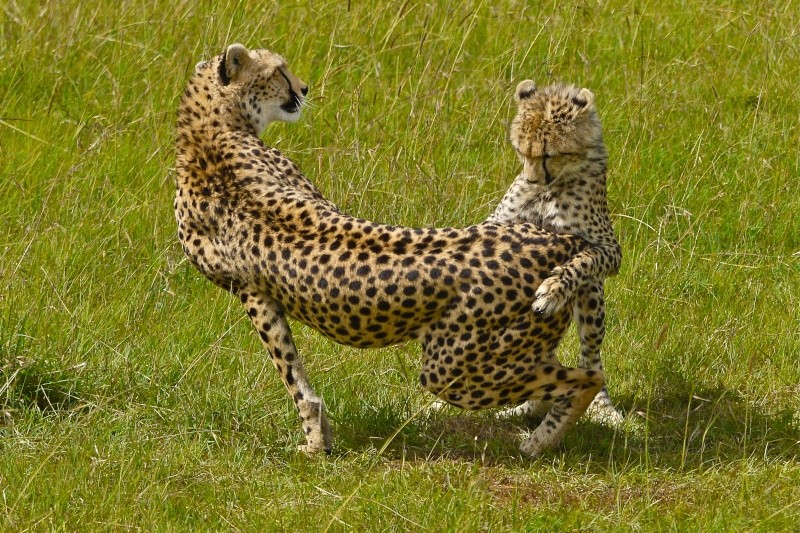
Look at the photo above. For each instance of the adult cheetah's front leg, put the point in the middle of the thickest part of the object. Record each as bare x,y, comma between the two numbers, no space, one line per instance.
270,322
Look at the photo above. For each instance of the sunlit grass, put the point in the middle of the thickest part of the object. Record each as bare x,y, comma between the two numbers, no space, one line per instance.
134,393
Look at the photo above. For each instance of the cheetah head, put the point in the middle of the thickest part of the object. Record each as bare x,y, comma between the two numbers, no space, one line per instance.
258,83
555,126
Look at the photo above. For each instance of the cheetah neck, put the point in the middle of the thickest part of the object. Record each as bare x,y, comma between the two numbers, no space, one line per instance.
219,156
531,198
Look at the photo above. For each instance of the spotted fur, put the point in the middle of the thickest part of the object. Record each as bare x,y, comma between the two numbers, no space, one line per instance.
252,223
562,188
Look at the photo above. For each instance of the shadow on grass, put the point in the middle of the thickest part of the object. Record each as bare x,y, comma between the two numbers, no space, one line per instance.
446,434
683,426
686,424
29,385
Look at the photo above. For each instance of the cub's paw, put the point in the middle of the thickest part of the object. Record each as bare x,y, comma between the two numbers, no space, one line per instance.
552,294
605,414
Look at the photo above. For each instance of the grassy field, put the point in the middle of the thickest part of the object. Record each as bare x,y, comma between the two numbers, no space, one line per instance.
134,394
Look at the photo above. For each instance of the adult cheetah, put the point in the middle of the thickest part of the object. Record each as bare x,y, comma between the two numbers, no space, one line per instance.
562,188
253,224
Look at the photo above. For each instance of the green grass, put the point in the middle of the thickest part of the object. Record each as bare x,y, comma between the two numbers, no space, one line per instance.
134,394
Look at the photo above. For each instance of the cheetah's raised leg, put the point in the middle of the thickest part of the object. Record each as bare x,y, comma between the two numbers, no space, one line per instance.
586,268
589,311
572,390
535,409
270,322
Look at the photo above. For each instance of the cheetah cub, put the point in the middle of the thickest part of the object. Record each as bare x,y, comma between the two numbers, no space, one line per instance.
562,188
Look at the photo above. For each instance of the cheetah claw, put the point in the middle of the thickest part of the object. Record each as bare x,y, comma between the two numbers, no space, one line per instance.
550,296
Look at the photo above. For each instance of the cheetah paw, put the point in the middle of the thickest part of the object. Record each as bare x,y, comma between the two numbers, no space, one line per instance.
605,414
532,447
602,410
318,440
529,409
551,295
310,449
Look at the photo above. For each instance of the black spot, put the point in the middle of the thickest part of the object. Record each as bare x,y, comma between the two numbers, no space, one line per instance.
223,73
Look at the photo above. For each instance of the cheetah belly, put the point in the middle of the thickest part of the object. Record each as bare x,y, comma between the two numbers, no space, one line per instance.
359,313
476,370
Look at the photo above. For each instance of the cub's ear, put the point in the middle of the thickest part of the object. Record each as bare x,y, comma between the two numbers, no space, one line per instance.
236,57
525,89
584,99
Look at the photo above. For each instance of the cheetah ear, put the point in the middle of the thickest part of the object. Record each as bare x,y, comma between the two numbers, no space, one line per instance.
525,89
584,99
236,56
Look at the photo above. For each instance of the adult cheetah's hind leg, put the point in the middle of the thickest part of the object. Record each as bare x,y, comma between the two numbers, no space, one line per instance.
572,390
532,409
270,322
589,316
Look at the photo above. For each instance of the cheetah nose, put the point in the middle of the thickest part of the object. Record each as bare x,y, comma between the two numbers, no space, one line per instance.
304,90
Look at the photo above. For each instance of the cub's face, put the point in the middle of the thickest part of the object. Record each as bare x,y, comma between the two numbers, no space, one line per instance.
260,84
554,127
